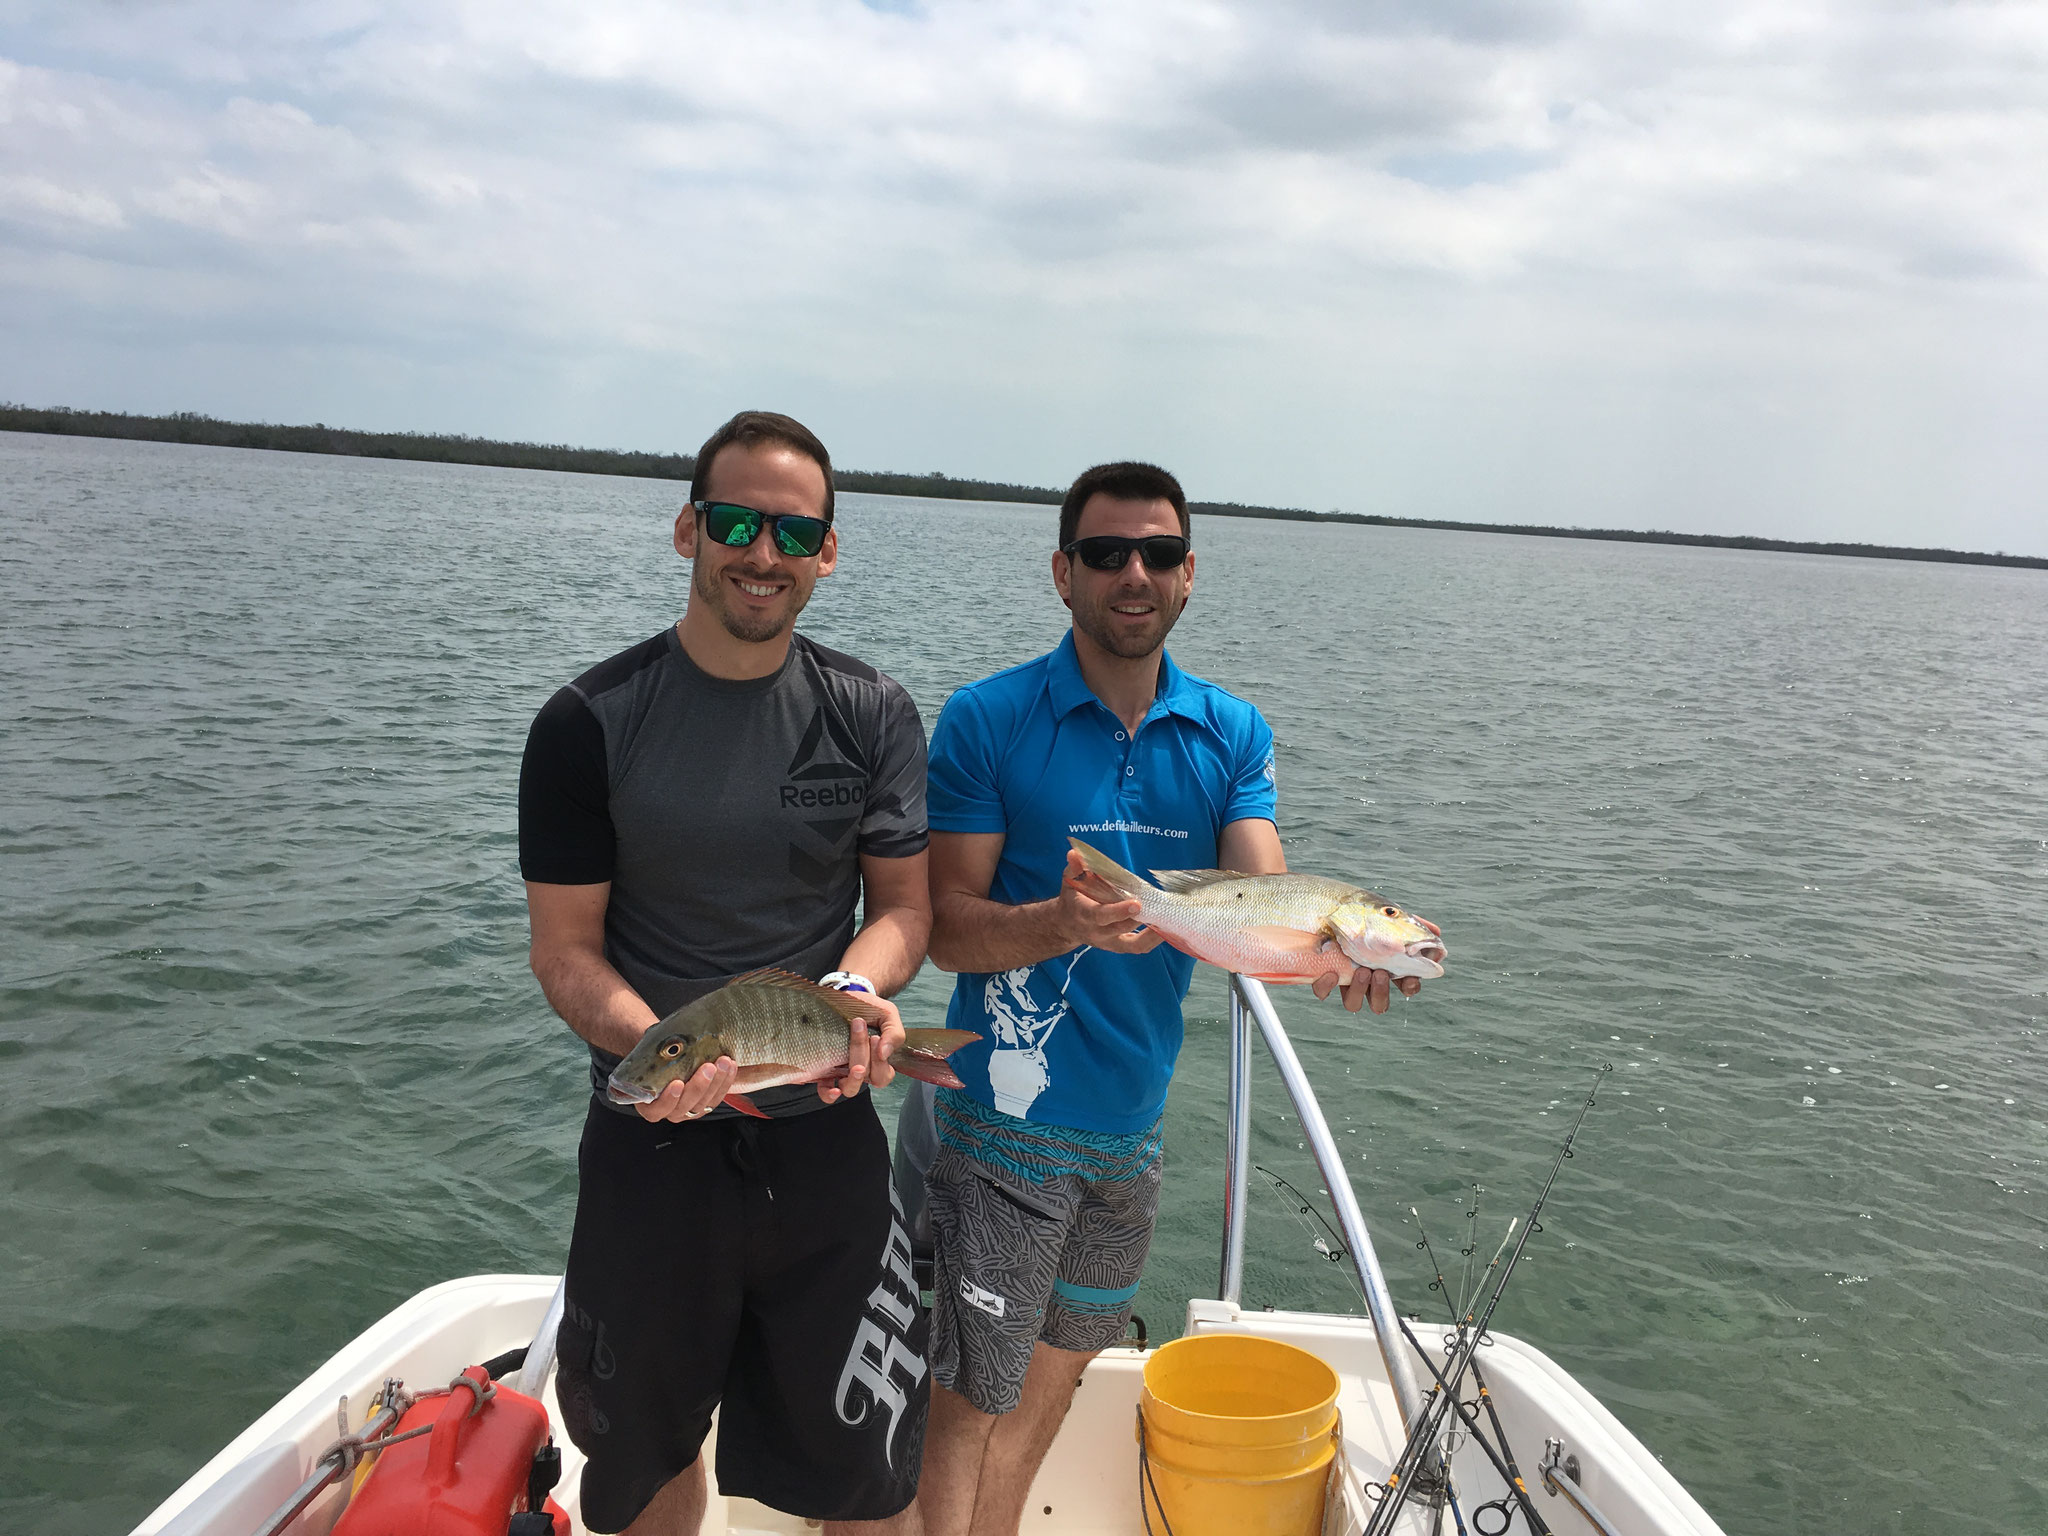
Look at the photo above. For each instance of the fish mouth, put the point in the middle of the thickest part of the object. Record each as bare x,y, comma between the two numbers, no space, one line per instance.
1430,951
620,1091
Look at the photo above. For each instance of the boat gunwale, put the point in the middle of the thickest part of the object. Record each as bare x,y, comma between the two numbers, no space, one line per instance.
318,1390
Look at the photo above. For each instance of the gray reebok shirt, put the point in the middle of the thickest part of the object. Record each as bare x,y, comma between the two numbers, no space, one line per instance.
729,816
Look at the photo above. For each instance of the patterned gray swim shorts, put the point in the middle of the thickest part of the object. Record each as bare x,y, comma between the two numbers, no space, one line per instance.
1017,1260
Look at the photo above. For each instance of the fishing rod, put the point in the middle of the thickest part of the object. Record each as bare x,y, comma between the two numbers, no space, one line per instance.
1331,1247
1439,1284
1503,1460
1324,1237
1425,1432
1427,1429
1326,1241
1471,1246
1468,1414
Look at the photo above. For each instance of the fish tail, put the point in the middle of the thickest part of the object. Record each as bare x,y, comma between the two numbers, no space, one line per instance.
937,1042
1108,871
923,1054
925,1067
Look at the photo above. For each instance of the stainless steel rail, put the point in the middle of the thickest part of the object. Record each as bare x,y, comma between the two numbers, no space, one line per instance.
1561,1476
540,1354
1237,1150
1248,996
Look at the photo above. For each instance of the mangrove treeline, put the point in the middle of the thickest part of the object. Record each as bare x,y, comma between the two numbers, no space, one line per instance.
445,448
455,448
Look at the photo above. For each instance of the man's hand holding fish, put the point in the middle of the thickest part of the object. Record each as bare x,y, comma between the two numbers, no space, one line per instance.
1367,989
1090,912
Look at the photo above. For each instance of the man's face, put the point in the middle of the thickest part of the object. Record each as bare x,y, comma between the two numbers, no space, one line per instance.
1126,612
758,591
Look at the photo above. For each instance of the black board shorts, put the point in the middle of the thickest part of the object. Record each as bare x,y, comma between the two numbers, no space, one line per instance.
759,1267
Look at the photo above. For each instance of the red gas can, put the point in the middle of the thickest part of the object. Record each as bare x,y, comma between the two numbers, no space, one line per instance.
466,1478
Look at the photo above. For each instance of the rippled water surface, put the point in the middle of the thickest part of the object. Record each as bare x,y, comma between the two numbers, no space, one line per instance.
1768,832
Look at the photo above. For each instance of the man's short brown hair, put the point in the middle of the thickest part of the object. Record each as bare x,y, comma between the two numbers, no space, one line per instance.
1125,482
750,429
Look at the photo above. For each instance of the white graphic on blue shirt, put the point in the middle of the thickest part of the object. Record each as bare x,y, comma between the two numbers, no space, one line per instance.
1023,1011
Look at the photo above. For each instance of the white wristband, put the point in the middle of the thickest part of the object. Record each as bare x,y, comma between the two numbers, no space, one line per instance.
847,981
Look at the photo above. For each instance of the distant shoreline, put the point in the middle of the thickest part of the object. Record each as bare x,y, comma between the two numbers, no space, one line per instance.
190,427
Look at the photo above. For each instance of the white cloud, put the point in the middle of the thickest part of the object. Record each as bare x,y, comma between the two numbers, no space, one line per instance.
36,200
1756,267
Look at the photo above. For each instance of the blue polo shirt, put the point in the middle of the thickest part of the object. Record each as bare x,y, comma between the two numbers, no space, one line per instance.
1087,1039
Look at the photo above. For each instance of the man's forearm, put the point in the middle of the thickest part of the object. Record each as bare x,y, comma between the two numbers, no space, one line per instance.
593,999
973,933
889,948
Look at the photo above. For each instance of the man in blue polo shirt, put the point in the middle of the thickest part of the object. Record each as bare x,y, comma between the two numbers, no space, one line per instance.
1045,1184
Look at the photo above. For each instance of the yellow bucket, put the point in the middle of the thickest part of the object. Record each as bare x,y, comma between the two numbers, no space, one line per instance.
1235,1435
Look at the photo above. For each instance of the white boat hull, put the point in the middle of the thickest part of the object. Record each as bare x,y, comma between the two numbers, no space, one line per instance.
1087,1487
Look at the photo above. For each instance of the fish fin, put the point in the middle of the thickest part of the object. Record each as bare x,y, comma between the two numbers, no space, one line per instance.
938,1042
923,1054
744,1105
845,1004
775,976
1108,871
925,1067
1181,881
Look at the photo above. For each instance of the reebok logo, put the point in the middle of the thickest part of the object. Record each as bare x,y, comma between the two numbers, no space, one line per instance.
808,797
827,751
827,773
986,1301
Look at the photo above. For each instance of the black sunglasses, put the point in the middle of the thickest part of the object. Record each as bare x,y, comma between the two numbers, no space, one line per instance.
1107,552
740,526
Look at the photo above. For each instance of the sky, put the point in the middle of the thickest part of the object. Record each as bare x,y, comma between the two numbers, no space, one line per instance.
1773,268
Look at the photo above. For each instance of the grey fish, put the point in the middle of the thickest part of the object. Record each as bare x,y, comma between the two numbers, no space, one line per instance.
778,1028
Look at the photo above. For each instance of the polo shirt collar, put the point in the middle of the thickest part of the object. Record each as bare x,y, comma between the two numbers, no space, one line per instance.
1068,690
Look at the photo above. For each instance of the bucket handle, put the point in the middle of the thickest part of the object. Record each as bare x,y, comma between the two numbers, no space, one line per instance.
1145,1483
1338,1483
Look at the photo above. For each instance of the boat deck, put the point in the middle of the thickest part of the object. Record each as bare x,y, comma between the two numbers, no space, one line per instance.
1087,1487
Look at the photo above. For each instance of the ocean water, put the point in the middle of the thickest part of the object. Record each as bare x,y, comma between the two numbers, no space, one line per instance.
1768,833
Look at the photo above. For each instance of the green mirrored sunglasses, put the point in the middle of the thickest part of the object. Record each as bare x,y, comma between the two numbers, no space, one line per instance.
739,526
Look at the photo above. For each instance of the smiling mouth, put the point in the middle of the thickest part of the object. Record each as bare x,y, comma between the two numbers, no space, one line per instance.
755,588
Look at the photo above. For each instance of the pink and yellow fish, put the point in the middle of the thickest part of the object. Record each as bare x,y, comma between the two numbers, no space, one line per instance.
1281,928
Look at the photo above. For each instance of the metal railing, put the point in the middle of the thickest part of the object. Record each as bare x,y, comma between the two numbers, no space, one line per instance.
1248,1001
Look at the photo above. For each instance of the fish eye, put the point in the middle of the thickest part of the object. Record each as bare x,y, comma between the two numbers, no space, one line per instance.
672,1050
1391,911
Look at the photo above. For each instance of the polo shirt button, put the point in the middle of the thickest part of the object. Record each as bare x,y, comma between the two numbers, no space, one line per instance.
1130,770
1119,735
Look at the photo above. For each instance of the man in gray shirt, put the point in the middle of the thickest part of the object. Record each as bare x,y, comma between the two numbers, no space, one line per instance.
713,800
